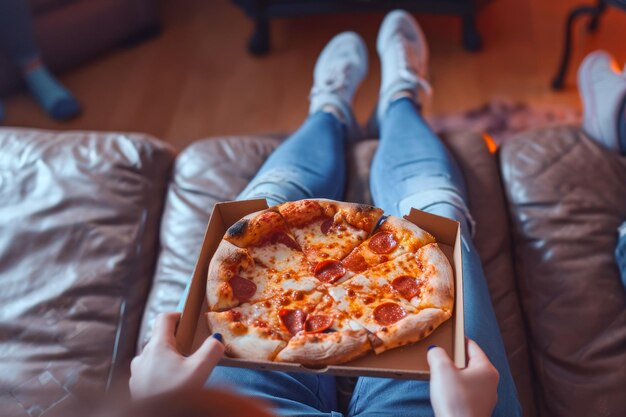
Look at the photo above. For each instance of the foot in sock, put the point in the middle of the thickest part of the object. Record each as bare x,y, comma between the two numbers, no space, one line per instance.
55,99
403,52
339,70
603,92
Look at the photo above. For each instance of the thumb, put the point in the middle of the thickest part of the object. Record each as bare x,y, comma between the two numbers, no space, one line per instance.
438,360
207,356
475,354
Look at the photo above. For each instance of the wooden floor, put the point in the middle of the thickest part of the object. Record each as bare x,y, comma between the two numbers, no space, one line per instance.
196,80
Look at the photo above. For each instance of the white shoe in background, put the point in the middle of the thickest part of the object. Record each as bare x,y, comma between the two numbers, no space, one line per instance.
403,52
602,90
339,70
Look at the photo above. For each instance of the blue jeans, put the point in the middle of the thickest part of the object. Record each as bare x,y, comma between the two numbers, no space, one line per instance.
311,163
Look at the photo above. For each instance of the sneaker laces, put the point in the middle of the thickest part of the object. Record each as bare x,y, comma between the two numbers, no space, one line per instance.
335,82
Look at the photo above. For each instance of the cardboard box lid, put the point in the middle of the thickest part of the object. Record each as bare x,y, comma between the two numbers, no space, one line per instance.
408,362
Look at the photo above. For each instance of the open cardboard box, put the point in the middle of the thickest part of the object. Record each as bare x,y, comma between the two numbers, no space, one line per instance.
408,362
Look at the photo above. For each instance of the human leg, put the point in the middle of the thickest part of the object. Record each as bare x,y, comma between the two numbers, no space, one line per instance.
410,157
16,33
310,163
412,168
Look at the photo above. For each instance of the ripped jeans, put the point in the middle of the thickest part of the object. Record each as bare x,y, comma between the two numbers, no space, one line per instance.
411,168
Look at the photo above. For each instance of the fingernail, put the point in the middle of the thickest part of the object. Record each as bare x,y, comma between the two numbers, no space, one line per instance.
217,336
430,347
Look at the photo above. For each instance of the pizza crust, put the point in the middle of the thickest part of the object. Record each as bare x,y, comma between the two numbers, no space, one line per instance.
319,349
254,228
410,329
361,216
439,278
227,261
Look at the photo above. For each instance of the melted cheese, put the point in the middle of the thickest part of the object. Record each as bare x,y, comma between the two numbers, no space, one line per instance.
278,257
360,295
339,241
303,283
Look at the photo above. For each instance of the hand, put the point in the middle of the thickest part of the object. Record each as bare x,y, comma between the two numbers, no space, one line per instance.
161,369
469,392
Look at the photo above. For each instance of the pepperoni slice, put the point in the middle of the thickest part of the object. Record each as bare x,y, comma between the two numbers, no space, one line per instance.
382,242
388,313
234,315
355,262
326,225
407,286
317,323
293,320
243,289
285,239
329,271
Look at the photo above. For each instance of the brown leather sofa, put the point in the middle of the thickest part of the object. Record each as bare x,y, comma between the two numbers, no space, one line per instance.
69,32
100,231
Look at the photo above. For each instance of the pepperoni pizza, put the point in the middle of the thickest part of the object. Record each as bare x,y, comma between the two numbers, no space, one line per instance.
322,282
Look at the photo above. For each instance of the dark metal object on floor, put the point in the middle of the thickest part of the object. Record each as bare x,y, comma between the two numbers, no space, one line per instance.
261,11
594,12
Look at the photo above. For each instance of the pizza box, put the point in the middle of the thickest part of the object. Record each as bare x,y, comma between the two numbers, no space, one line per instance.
407,362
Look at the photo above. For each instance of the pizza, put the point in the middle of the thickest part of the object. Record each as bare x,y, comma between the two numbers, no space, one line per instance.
321,282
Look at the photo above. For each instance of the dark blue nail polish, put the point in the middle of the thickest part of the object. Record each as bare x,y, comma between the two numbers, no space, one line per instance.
217,336
430,347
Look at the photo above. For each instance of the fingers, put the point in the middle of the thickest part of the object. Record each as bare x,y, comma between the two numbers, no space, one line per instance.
207,356
475,354
438,359
165,327
480,363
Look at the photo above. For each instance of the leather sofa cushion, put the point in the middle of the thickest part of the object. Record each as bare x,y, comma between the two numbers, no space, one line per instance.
205,173
567,197
79,214
217,169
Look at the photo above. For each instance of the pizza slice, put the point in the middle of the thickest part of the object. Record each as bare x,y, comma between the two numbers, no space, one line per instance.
394,237
328,230
246,334
400,301
257,260
260,330
326,336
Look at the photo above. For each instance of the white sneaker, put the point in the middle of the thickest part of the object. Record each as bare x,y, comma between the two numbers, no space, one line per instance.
339,70
403,52
602,89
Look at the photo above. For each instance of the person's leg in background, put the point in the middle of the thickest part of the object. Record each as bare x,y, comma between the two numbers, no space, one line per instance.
17,37
311,163
602,88
412,168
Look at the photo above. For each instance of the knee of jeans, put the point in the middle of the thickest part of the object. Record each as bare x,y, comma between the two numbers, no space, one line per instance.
277,186
443,202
